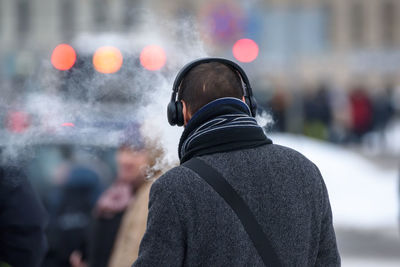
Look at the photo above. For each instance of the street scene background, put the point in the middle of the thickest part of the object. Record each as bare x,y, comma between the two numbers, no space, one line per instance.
77,77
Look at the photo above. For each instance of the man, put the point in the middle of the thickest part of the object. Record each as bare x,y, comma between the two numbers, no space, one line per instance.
22,221
190,224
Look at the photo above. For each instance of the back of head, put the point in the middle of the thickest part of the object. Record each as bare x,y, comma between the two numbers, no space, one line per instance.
207,82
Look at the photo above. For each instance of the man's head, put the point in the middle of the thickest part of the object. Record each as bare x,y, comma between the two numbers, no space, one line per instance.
207,82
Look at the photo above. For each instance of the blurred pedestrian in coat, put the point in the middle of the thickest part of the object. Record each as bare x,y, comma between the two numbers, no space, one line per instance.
22,221
361,112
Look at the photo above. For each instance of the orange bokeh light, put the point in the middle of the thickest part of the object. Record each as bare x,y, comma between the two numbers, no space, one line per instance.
153,57
107,59
63,57
245,50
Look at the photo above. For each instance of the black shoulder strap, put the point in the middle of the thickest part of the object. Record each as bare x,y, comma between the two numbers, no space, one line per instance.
225,190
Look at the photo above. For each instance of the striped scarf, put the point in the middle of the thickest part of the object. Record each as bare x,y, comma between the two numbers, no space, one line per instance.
220,126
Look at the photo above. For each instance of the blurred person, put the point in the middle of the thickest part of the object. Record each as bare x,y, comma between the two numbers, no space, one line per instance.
22,221
133,226
278,104
341,116
361,112
73,201
295,111
395,97
318,115
120,214
383,109
382,114
190,224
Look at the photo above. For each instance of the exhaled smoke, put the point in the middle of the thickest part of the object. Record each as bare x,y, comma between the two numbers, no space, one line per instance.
265,120
82,106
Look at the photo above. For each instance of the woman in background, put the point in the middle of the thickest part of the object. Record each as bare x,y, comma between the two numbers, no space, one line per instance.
120,214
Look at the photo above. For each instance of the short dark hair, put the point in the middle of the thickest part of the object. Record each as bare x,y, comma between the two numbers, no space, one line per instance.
207,82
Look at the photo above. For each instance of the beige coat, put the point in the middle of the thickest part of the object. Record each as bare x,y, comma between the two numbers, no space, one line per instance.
131,231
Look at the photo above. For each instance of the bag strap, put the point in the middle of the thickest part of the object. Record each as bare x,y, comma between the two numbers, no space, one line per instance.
250,224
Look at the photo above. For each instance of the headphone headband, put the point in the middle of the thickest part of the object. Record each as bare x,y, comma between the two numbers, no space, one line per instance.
174,105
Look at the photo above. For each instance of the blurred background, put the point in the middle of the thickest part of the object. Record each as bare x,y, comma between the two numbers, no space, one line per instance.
75,75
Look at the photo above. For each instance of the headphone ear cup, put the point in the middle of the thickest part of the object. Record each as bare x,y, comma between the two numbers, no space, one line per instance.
179,113
171,113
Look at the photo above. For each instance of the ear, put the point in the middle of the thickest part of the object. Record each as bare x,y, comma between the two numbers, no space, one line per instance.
186,114
243,99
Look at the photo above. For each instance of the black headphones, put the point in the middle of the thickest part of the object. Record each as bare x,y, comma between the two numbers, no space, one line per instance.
174,111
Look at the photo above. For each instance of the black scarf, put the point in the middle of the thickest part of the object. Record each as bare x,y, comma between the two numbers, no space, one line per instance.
222,125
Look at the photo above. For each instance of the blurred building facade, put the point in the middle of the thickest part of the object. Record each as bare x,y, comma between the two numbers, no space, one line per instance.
30,29
345,41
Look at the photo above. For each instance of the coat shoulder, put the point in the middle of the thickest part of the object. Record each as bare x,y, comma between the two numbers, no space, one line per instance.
288,154
174,180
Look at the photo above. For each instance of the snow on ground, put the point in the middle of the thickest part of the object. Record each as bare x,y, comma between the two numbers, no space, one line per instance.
354,262
362,194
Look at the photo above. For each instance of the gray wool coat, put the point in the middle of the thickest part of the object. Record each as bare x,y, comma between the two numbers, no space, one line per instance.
189,224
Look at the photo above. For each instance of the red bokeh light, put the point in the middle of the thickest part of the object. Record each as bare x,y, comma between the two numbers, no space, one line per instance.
153,57
245,50
107,59
68,124
17,121
63,57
